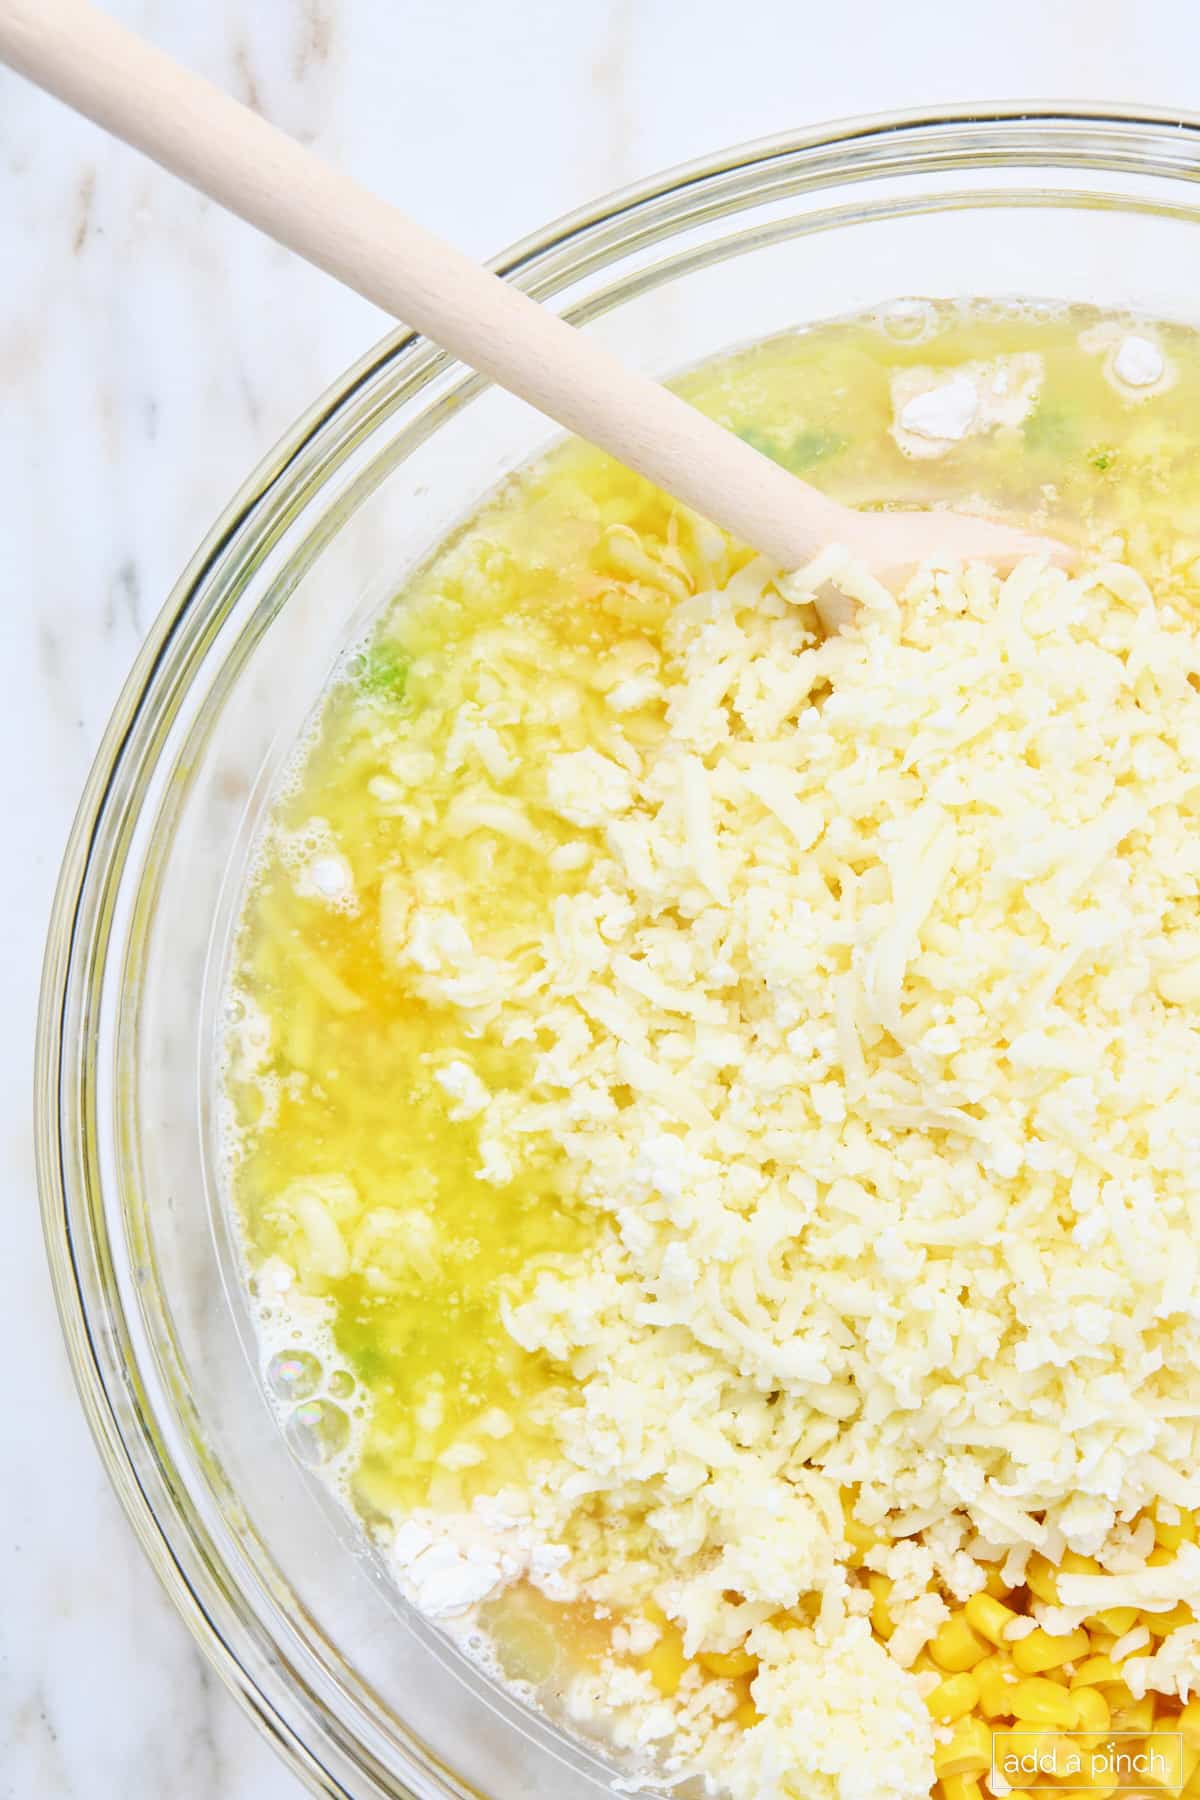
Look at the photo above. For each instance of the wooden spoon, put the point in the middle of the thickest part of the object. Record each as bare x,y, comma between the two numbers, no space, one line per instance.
139,94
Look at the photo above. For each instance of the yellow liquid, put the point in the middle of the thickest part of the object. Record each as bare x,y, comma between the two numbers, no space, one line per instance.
545,602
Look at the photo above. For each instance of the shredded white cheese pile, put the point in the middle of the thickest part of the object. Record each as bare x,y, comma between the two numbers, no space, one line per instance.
871,1029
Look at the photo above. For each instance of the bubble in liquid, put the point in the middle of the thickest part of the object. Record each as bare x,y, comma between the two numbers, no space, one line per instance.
293,1375
341,1384
317,1432
908,320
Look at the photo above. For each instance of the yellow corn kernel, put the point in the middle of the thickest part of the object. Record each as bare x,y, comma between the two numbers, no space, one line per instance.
955,1646
728,1662
1190,1760
996,1586
1042,1745
1169,1537
1041,1578
961,1787
997,1678
1137,1716
1041,1702
1189,1722
989,1617
882,1622
1039,1651
968,1752
859,1537
1160,1624
1162,1747
1102,1642
1092,1711
666,1661
1117,1620
1108,1784
1096,1671
956,1695
747,1715
1160,1558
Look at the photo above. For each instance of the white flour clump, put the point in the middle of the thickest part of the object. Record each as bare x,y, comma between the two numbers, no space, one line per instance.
1135,363
448,1564
934,409
1138,362
318,868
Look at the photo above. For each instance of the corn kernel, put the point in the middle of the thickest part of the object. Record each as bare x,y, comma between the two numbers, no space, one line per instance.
1108,1784
996,1586
1039,1651
728,1662
956,1695
955,1646
1042,1702
1189,1722
1137,1716
1102,1642
1160,1558
989,1617
1041,1575
1160,1624
968,1752
1169,1537
747,1715
1092,1711
1041,1578
1041,1745
859,1537
1096,1671
961,1787
666,1661
1162,1747
1116,1620
1191,1763
882,1622
994,1688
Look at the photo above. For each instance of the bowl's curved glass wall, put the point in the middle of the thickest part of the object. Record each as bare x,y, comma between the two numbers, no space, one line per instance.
363,1698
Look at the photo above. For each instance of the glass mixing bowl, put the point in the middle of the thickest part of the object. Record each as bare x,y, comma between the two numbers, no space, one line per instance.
362,1697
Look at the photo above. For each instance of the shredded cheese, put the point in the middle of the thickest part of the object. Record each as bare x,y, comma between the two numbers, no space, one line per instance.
867,1027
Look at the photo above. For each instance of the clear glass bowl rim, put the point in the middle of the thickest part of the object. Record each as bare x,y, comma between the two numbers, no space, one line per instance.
1102,137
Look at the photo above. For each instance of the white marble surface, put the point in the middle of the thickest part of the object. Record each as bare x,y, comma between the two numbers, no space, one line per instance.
150,352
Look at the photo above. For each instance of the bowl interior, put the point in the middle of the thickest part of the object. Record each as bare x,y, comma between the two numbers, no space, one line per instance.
366,1698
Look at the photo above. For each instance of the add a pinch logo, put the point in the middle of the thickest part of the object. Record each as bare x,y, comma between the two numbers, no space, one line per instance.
1066,1760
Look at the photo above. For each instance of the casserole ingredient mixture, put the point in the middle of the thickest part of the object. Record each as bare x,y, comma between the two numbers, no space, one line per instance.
714,1108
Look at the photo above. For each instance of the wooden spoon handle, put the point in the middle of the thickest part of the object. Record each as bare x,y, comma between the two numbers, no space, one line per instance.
139,94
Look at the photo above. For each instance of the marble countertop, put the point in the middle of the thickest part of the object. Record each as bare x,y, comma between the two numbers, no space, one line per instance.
151,351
